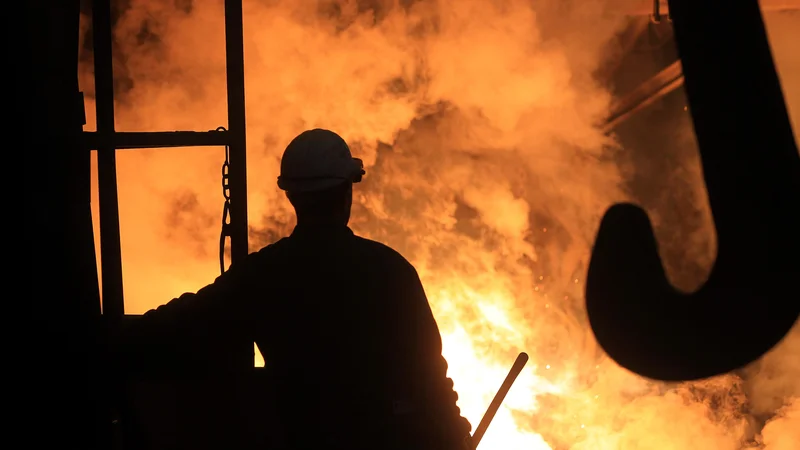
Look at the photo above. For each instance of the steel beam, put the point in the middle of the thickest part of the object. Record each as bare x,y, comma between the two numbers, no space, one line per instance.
134,140
110,248
237,144
644,95
234,61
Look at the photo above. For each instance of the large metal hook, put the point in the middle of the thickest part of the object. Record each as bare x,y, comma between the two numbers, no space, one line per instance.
752,172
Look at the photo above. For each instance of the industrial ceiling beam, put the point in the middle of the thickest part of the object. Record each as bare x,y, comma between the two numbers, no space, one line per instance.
646,7
644,95
671,78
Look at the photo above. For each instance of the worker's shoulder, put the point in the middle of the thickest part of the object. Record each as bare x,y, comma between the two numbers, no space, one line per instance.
271,250
267,255
377,254
378,251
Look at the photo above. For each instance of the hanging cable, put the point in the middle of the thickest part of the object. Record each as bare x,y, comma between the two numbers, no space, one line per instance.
656,16
226,209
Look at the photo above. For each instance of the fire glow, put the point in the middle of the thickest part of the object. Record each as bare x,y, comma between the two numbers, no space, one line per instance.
486,169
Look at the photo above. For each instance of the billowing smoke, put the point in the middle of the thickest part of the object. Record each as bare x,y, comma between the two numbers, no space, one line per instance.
478,122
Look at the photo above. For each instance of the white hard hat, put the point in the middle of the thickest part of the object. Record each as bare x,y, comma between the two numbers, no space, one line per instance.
318,159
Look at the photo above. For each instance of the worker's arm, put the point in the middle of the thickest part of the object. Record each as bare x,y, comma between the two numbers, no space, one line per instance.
423,345
206,329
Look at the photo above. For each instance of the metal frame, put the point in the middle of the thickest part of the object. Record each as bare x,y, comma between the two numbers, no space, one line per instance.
107,141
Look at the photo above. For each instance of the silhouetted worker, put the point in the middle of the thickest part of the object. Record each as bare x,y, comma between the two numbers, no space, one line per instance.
343,322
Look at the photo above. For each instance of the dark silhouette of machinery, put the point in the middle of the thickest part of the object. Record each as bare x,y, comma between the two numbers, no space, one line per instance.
750,163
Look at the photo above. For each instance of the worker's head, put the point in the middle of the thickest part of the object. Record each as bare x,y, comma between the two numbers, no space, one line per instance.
317,173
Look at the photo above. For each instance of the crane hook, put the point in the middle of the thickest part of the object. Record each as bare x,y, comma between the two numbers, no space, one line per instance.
751,169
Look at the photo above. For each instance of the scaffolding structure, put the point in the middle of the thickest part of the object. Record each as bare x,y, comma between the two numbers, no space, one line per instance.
107,141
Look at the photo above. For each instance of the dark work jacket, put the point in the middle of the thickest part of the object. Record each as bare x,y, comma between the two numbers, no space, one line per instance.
346,332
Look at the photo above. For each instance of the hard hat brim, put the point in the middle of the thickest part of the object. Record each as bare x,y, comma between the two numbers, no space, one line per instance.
351,174
309,185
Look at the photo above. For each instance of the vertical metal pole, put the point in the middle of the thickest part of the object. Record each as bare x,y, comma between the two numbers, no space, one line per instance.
234,58
110,251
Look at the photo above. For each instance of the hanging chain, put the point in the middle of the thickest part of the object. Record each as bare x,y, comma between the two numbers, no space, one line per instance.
226,209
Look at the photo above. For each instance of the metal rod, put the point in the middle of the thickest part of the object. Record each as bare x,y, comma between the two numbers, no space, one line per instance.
661,93
110,249
234,59
164,139
647,93
480,430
